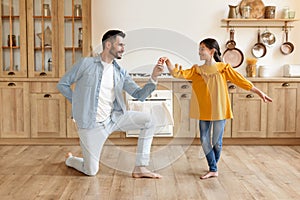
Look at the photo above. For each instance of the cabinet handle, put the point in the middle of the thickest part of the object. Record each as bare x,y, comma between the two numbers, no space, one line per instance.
249,96
11,73
184,87
43,74
47,96
184,96
11,84
231,87
285,85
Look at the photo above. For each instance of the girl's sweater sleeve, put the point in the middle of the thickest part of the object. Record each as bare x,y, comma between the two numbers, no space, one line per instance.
183,74
236,78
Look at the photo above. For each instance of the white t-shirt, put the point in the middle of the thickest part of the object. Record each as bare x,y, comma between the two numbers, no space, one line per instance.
106,94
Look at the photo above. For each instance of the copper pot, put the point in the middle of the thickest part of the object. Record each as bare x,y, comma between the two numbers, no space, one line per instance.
287,47
259,50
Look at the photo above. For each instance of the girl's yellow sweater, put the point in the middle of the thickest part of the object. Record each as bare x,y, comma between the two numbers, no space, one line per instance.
210,99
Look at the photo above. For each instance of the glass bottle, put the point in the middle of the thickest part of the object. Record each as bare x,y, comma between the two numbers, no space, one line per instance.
13,40
246,12
77,10
80,37
46,10
285,13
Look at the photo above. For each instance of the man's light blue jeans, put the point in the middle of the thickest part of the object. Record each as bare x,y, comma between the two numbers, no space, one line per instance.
212,144
92,141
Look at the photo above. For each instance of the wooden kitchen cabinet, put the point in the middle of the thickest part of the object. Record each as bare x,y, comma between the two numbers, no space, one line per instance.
13,51
74,25
14,110
284,112
38,46
184,126
249,113
48,111
57,38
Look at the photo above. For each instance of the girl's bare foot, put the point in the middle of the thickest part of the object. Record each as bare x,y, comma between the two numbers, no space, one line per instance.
209,175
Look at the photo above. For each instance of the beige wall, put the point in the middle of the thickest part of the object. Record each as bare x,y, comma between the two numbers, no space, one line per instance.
195,20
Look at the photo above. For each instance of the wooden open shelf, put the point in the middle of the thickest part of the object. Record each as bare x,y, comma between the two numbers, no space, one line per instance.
254,23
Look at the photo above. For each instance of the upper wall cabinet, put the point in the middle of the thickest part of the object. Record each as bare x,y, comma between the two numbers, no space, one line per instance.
13,51
74,36
42,38
54,36
59,34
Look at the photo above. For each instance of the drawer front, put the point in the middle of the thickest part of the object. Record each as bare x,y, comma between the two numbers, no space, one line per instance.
184,87
232,88
43,87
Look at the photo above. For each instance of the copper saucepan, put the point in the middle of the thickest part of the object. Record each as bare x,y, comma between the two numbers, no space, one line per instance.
230,44
287,47
259,50
233,55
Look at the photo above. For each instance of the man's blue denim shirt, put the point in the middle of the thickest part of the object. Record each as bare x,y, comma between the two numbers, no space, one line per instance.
87,75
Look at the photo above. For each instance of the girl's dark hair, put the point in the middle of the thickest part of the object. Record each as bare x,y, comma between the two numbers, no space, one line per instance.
213,44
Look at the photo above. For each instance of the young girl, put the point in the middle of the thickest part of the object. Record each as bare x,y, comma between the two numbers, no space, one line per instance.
211,104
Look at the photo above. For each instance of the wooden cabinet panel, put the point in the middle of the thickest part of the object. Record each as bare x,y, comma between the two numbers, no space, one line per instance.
48,116
250,114
284,112
184,126
14,110
43,87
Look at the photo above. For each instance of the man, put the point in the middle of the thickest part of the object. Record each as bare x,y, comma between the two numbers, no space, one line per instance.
99,109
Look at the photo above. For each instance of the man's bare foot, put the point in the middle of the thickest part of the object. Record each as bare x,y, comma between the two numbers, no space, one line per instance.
143,172
69,154
209,175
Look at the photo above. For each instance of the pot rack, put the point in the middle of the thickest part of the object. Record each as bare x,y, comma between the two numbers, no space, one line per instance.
257,23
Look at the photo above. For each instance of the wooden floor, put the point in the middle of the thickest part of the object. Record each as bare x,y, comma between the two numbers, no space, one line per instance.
245,172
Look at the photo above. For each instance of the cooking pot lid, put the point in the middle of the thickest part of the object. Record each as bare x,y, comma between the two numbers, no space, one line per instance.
234,57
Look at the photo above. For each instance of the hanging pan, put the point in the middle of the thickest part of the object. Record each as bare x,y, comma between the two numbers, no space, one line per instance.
259,50
287,47
230,44
233,55
268,38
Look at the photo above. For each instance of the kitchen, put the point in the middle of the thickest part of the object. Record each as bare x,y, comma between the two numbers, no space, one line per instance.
178,20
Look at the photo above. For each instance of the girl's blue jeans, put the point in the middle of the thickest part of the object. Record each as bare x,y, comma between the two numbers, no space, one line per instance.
211,134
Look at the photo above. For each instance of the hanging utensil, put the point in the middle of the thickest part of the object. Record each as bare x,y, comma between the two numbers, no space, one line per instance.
259,50
233,55
268,38
287,47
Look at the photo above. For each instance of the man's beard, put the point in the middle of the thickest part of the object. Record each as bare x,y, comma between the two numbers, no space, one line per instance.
115,54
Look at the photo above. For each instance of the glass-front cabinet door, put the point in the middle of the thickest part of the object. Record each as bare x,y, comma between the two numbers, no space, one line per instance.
74,25
13,54
42,38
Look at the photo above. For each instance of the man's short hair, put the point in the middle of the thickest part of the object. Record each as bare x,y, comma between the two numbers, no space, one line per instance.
112,34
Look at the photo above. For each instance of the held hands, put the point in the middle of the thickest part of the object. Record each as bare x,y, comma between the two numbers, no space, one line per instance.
158,69
163,60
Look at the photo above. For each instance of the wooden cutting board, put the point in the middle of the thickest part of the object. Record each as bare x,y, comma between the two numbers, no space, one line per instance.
257,8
